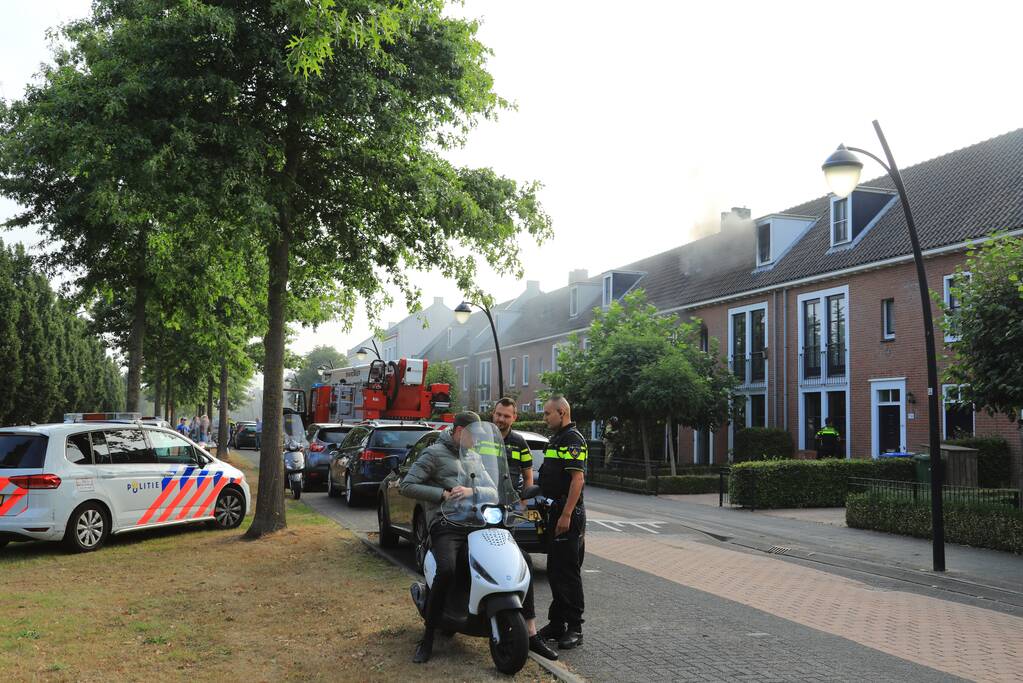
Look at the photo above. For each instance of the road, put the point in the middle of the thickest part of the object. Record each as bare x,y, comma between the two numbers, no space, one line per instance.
678,591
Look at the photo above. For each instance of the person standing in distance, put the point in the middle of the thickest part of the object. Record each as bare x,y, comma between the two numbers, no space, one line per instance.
520,469
562,480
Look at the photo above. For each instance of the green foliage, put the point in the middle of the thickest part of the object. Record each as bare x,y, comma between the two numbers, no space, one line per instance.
979,525
443,372
762,443
989,324
994,460
686,484
50,361
306,375
808,483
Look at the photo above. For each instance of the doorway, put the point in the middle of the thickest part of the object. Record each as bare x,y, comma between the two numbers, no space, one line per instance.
888,414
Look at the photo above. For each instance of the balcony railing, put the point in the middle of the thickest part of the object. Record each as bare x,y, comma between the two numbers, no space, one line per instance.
822,365
751,369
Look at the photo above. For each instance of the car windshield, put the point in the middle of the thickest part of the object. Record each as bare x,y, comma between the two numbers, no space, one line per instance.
22,451
395,438
334,435
483,468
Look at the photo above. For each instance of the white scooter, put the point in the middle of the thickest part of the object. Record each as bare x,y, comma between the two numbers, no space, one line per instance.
294,467
485,599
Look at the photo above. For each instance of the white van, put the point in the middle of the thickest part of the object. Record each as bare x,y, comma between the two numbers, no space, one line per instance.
79,483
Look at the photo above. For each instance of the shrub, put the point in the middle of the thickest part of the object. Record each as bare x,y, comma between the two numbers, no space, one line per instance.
538,426
762,443
807,483
684,484
994,460
982,526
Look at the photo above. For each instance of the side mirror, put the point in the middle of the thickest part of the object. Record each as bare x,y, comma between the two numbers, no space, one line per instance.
531,491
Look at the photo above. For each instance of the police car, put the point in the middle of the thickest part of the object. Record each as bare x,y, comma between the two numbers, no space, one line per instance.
80,482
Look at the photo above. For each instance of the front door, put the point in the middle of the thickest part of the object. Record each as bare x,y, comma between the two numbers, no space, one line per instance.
889,429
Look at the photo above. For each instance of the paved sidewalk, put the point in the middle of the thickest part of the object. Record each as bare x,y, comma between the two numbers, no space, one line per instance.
961,640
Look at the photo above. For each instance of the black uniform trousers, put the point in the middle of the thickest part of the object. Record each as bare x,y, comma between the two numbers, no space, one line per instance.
564,571
450,545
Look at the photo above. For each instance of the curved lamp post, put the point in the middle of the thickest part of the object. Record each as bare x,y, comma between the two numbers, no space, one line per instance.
842,171
462,313
363,352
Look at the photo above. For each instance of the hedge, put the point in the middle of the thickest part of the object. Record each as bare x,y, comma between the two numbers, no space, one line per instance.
762,443
808,483
994,460
982,526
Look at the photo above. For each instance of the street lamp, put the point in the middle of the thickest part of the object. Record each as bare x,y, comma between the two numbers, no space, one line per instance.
363,352
462,313
842,171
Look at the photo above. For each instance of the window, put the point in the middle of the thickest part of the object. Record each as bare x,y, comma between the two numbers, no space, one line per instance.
763,243
525,407
840,221
465,378
22,451
888,318
824,336
704,339
554,357
484,380
811,418
739,345
607,291
748,343
836,335
811,336
355,437
758,410
538,406
78,450
513,372
125,447
525,371
952,303
957,414
171,449
573,302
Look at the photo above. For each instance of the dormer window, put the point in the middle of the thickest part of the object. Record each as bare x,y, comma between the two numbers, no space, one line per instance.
839,221
763,244
573,302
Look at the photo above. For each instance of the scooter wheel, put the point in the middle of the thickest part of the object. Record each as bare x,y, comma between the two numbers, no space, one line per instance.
510,654
296,489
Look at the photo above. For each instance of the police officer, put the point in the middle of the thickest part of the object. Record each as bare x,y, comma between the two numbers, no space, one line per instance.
520,469
827,440
561,479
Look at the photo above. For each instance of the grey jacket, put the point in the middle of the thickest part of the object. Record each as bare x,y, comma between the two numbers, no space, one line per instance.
437,468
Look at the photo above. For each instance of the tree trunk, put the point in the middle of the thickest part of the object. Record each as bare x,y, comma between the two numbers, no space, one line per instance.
158,392
270,498
138,330
222,431
209,397
671,446
646,446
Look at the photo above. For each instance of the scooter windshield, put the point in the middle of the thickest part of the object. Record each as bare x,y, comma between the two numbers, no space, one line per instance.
483,468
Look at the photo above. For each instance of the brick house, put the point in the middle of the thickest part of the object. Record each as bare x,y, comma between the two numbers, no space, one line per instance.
815,308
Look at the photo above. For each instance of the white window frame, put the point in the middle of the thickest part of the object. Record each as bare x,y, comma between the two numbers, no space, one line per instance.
484,378
747,311
554,356
696,447
573,302
465,377
525,407
607,290
945,402
848,220
822,296
513,371
770,239
886,332
946,285
824,390
538,404
525,370
880,385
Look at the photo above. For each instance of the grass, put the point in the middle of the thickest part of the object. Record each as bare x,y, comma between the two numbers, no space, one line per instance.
307,603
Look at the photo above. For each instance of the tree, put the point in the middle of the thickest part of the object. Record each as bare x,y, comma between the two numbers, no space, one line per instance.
988,323
443,372
644,367
320,356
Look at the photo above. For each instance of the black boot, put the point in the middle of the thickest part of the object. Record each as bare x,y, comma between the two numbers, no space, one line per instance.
571,639
425,648
552,631
537,645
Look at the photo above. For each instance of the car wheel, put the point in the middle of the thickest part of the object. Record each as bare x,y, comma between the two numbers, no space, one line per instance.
87,528
350,495
388,539
229,510
420,538
3,543
332,491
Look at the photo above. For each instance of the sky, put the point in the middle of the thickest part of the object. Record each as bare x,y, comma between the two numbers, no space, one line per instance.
644,120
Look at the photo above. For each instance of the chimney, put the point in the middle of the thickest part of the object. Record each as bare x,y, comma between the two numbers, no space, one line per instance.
737,218
579,275
532,286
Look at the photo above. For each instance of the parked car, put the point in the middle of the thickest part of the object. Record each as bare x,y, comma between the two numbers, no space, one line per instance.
367,455
245,435
322,438
402,517
79,483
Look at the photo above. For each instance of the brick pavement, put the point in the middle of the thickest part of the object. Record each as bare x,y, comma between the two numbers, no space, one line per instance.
962,640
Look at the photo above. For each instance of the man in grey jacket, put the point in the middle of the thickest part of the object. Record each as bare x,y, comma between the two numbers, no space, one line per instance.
433,479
